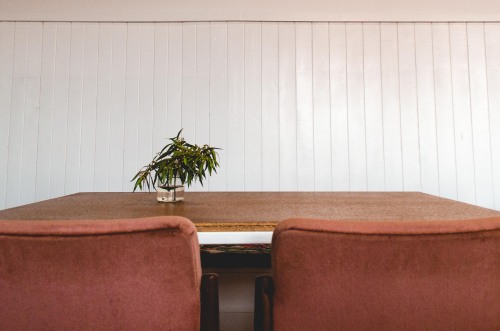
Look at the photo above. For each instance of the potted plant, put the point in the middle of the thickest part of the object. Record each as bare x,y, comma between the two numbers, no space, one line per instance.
178,163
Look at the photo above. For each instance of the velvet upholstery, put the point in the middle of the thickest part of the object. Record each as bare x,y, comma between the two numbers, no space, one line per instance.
131,274
386,275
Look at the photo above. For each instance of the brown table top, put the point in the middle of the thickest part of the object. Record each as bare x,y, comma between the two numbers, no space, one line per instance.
251,211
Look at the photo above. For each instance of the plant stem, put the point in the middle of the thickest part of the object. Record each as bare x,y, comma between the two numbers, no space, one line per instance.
175,189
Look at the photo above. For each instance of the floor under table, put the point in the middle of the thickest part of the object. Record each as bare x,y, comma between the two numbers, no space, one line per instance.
237,266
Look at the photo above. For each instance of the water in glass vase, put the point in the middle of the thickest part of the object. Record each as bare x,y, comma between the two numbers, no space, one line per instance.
170,193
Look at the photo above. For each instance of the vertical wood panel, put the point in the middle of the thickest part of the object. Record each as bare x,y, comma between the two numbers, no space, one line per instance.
117,109
160,87
408,106
103,105
492,41
305,115
146,73
287,107
174,80
466,189
391,107
7,31
356,107
373,108
426,109
235,106
444,111
73,145
270,108
480,115
189,81
31,112
89,97
131,133
218,101
339,109
321,106
60,110
17,115
253,107
42,184
202,98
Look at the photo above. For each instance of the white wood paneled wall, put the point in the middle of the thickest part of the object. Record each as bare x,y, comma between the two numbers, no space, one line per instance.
294,106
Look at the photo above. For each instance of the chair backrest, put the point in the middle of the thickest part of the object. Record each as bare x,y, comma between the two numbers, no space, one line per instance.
386,275
133,274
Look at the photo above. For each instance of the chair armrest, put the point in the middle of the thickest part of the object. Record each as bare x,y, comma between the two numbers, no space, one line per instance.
209,298
263,310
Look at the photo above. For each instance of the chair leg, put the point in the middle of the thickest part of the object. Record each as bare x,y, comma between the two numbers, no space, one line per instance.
209,297
264,290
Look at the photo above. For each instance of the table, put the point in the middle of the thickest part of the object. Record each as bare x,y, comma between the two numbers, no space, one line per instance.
250,217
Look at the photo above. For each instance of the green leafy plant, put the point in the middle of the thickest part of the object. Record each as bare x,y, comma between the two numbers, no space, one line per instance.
178,160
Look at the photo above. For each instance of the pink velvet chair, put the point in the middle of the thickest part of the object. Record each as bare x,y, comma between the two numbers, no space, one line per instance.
382,275
131,274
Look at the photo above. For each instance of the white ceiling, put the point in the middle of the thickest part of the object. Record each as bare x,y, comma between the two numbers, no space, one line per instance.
258,10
